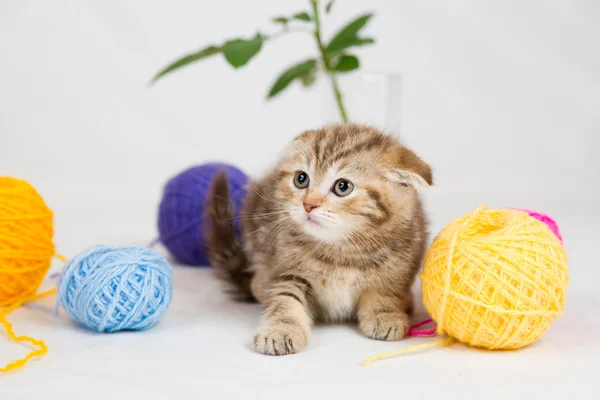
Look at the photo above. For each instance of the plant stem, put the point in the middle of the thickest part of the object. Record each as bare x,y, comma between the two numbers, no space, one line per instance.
338,97
326,62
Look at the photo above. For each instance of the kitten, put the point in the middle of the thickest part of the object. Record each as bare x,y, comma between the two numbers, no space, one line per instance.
336,231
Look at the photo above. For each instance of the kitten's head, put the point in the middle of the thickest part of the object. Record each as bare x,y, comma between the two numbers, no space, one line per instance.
344,179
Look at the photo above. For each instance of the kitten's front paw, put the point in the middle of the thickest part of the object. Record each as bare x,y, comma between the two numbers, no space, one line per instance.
280,339
388,326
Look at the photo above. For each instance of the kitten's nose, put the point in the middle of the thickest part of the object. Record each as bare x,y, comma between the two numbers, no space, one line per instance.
309,206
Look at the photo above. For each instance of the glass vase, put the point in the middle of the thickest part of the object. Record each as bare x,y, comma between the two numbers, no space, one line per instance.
371,98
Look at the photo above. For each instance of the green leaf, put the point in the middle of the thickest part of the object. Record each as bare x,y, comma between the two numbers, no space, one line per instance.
303,16
360,42
239,51
187,59
309,78
351,42
328,6
346,63
281,20
348,33
296,71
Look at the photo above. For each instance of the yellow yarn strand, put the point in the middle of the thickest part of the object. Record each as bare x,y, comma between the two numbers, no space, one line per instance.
42,348
26,250
445,342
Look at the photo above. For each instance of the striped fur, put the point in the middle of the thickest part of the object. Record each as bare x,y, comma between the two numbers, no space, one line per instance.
226,255
358,255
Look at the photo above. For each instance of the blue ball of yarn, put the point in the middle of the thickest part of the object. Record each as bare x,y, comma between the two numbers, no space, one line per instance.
181,214
110,289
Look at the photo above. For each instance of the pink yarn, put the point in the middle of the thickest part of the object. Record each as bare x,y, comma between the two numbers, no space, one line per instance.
550,223
413,332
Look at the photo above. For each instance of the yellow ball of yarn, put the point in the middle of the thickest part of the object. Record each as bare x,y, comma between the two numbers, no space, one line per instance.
495,279
26,246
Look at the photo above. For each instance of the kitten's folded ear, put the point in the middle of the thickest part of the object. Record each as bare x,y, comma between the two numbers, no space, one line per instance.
410,170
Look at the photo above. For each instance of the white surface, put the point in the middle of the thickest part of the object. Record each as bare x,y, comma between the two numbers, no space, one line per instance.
500,97
203,346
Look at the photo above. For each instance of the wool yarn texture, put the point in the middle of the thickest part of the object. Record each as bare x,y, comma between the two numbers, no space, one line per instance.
494,279
181,213
26,251
26,247
546,219
110,289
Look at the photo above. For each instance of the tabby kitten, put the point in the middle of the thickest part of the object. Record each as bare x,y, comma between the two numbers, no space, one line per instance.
334,232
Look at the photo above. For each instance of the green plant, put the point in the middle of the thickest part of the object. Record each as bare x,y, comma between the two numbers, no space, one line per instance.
333,56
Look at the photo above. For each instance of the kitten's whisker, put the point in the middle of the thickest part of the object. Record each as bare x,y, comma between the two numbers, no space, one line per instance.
263,196
256,216
375,244
271,212
275,229
364,254
263,227
269,230
367,243
282,229
363,244
344,234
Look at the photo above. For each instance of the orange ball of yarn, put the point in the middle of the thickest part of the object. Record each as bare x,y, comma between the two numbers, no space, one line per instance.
26,246
495,279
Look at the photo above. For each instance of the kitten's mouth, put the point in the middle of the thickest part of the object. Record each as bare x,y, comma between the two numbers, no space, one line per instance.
311,221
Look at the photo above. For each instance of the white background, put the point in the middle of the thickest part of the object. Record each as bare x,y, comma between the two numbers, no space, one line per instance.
502,98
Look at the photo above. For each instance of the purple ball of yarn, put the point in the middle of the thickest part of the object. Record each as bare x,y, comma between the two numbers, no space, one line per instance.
181,214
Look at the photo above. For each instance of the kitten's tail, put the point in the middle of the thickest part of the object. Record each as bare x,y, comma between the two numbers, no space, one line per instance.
226,255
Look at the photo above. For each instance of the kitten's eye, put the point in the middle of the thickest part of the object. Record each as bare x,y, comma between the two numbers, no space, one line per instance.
343,187
301,180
